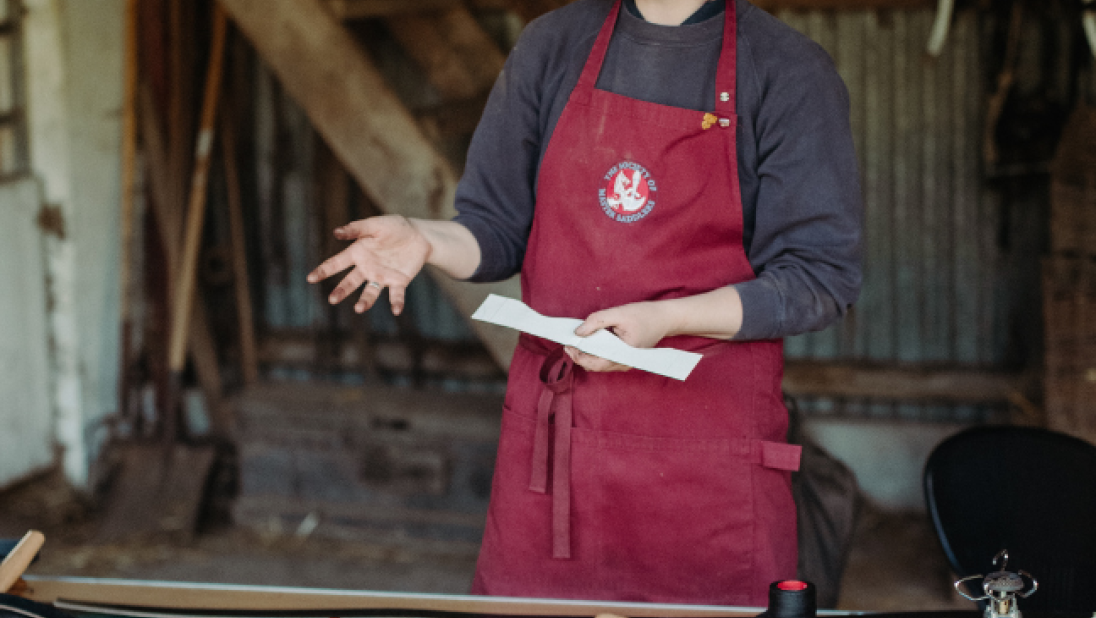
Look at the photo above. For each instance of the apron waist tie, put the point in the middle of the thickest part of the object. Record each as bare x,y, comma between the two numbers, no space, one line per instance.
557,375
555,408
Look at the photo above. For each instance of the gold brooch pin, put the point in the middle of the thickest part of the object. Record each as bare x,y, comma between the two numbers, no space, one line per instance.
709,121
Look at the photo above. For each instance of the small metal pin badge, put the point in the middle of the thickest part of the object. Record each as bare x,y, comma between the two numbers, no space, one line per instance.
709,121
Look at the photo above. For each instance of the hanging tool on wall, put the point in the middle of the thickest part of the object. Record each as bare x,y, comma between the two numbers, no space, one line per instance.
1088,21
945,10
160,488
941,24
991,154
195,219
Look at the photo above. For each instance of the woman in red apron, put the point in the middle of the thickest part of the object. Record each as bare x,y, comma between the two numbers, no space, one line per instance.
610,483
631,484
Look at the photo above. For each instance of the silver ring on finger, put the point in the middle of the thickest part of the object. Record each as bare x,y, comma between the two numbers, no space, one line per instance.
374,284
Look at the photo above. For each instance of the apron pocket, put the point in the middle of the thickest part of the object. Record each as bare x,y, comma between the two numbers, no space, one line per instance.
674,518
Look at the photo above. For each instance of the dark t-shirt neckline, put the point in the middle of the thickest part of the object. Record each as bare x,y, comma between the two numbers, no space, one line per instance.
701,34
706,11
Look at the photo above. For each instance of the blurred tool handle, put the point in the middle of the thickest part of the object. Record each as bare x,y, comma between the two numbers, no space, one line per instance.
941,24
195,218
11,569
1088,22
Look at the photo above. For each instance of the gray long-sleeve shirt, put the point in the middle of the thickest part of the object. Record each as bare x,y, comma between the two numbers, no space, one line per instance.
797,165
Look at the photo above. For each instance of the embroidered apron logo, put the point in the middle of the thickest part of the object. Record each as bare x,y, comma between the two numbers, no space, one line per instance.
626,194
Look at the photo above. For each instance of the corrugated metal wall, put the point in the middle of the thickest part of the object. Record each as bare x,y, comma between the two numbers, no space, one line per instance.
301,194
930,260
292,229
947,268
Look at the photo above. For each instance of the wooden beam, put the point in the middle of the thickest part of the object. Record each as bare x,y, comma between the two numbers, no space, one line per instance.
836,380
360,9
180,112
840,380
452,119
300,349
459,58
245,320
531,9
116,593
322,68
369,130
844,5
129,187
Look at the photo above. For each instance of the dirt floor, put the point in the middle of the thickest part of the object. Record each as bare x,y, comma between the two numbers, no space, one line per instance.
895,563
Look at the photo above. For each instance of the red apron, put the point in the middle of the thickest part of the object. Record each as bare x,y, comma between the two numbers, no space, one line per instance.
631,486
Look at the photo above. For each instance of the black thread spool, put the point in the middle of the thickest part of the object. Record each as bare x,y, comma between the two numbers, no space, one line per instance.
791,599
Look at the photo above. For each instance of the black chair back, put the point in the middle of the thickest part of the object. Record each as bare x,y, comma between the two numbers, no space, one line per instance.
1030,491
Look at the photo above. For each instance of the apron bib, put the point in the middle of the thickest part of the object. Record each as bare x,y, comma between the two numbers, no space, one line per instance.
630,486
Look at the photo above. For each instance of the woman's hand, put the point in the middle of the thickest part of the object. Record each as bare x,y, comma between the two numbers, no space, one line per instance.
386,252
640,325
716,314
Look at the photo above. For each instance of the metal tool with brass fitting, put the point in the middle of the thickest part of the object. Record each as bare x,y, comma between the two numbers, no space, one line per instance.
1001,589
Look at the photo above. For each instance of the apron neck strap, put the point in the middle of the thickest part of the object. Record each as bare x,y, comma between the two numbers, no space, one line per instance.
592,69
725,80
726,75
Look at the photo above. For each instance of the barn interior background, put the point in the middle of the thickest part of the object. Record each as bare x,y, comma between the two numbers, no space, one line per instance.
170,170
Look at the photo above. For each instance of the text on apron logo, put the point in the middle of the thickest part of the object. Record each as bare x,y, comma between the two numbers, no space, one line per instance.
626,194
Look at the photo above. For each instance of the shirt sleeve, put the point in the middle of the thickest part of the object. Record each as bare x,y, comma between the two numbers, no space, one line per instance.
496,195
805,247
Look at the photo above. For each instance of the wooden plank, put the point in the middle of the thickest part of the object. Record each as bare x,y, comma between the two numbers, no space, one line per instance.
844,5
180,116
801,378
899,383
434,357
333,416
370,131
529,10
451,119
375,515
129,147
17,561
129,190
458,57
323,69
359,9
249,364
182,596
